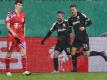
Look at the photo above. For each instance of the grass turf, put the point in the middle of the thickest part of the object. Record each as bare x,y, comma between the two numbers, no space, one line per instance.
56,76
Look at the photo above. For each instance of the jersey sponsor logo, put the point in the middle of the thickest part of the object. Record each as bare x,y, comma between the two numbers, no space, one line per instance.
76,22
60,30
16,58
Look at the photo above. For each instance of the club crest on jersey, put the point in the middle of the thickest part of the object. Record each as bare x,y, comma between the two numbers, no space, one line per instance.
78,17
64,25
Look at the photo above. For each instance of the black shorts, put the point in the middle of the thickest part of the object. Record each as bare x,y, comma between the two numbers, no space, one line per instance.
61,47
81,43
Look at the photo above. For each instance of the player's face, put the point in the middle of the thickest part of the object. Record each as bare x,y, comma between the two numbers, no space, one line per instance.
60,17
18,6
73,11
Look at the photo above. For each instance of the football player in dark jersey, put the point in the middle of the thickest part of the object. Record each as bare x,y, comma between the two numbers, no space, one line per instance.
63,37
79,22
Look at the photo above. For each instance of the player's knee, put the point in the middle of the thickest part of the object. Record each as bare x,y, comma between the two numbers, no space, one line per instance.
8,55
56,53
10,49
86,54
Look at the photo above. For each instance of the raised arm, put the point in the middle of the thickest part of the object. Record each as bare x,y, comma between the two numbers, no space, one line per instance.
53,28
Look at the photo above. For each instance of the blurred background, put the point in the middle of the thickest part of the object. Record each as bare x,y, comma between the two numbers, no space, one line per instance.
41,14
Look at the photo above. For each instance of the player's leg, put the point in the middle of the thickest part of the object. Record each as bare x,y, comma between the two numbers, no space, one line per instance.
67,50
58,50
96,53
86,49
24,58
8,58
93,53
89,53
55,60
74,59
61,64
74,48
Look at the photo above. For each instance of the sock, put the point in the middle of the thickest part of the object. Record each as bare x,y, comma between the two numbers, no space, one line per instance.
61,65
24,63
74,62
55,61
95,53
7,62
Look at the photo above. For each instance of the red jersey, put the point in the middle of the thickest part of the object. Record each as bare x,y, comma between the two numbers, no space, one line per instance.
16,22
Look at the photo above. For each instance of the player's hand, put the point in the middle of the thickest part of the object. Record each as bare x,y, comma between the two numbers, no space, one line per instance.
42,42
82,28
17,40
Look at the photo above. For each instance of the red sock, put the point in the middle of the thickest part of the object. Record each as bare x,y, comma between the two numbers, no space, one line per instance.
24,63
7,62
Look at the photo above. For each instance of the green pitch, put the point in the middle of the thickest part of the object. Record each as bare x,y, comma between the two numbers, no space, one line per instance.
56,76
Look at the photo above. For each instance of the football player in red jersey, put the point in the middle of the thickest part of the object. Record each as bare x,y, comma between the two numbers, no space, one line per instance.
15,23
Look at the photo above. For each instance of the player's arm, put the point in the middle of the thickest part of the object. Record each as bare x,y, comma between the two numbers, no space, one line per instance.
70,29
49,33
7,21
47,36
24,29
25,25
70,25
85,22
70,22
9,29
88,22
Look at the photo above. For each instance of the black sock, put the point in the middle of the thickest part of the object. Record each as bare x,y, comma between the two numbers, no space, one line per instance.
95,53
74,63
55,61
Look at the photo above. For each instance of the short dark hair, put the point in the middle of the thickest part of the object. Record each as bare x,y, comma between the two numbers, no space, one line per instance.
18,1
60,12
73,5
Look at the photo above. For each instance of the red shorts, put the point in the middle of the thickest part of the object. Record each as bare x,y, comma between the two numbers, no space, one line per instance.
16,43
